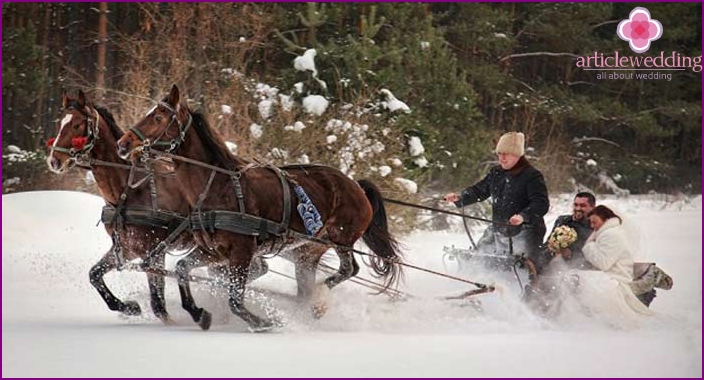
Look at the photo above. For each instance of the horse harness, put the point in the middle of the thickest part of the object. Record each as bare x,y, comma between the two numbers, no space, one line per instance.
239,222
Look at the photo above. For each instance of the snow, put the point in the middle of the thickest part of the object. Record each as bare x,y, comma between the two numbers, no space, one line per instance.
231,146
392,103
296,127
225,109
315,104
306,62
54,324
415,146
266,108
256,130
286,102
384,170
421,161
408,185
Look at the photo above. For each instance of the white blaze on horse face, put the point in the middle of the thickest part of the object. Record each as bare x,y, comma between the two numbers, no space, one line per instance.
64,122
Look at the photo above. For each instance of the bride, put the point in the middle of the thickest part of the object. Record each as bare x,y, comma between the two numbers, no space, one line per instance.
605,293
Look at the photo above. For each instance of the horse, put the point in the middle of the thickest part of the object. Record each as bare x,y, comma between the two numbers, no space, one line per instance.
218,184
138,220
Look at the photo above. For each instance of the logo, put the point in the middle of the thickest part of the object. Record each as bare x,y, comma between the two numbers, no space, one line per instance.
639,30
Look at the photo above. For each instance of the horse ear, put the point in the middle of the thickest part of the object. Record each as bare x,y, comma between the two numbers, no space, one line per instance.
64,99
81,98
174,96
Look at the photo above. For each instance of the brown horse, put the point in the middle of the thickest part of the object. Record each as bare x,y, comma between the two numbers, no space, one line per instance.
215,179
88,134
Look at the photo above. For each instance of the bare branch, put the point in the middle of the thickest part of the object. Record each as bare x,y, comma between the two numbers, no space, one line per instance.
605,23
580,82
583,139
537,53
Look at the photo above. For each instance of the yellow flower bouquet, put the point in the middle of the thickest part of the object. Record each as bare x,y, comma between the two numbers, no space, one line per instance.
562,237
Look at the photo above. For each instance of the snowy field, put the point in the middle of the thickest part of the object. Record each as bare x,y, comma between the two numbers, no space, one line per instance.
54,324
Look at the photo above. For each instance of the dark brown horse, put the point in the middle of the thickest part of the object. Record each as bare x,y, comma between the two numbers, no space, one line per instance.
349,209
88,134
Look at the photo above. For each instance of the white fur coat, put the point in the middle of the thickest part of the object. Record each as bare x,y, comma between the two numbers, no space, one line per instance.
608,249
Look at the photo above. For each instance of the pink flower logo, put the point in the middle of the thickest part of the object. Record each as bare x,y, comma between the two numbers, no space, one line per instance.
639,30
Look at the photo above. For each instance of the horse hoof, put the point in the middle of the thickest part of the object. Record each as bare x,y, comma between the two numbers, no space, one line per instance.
205,320
263,327
319,310
131,308
168,321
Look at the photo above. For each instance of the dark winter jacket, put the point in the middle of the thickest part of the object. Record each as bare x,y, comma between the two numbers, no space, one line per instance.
520,190
583,229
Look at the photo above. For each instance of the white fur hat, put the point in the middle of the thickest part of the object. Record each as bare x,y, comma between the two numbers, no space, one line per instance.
511,143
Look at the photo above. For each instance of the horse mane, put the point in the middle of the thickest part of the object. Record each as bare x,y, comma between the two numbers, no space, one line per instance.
110,120
213,143
103,112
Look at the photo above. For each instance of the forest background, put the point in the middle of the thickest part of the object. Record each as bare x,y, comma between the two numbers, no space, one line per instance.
467,72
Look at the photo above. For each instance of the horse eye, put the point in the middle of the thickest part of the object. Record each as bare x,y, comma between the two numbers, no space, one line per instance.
76,126
158,118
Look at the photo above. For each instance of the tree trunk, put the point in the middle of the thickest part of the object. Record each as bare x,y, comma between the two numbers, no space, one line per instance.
102,41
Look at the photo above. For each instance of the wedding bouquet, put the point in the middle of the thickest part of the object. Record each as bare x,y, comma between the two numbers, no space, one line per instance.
562,237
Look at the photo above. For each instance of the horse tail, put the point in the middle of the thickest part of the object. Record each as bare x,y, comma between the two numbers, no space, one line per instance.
378,238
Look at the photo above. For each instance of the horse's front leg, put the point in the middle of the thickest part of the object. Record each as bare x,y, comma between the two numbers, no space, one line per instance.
96,274
183,270
306,262
239,272
157,299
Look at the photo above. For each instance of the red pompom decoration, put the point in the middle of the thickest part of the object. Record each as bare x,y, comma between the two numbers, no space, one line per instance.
50,142
79,142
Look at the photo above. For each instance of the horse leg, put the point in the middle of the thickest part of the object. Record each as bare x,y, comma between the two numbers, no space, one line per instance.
236,288
305,263
257,268
156,287
348,269
96,274
157,299
183,270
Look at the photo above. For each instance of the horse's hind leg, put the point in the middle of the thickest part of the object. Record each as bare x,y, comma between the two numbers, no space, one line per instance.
348,269
183,270
96,274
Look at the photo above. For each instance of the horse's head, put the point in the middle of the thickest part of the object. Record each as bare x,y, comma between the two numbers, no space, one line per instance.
77,130
163,128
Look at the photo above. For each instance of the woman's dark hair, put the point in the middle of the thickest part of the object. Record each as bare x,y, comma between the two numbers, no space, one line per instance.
604,213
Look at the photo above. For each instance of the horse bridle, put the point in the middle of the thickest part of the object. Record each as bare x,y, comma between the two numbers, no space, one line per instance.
90,135
170,145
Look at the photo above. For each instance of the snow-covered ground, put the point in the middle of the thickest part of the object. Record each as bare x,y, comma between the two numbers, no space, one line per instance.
55,325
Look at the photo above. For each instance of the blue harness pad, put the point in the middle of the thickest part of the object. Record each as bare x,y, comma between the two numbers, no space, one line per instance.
309,214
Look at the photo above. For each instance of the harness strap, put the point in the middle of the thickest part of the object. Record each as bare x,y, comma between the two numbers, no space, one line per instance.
204,194
185,223
143,217
286,219
238,190
152,192
130,179
236,222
